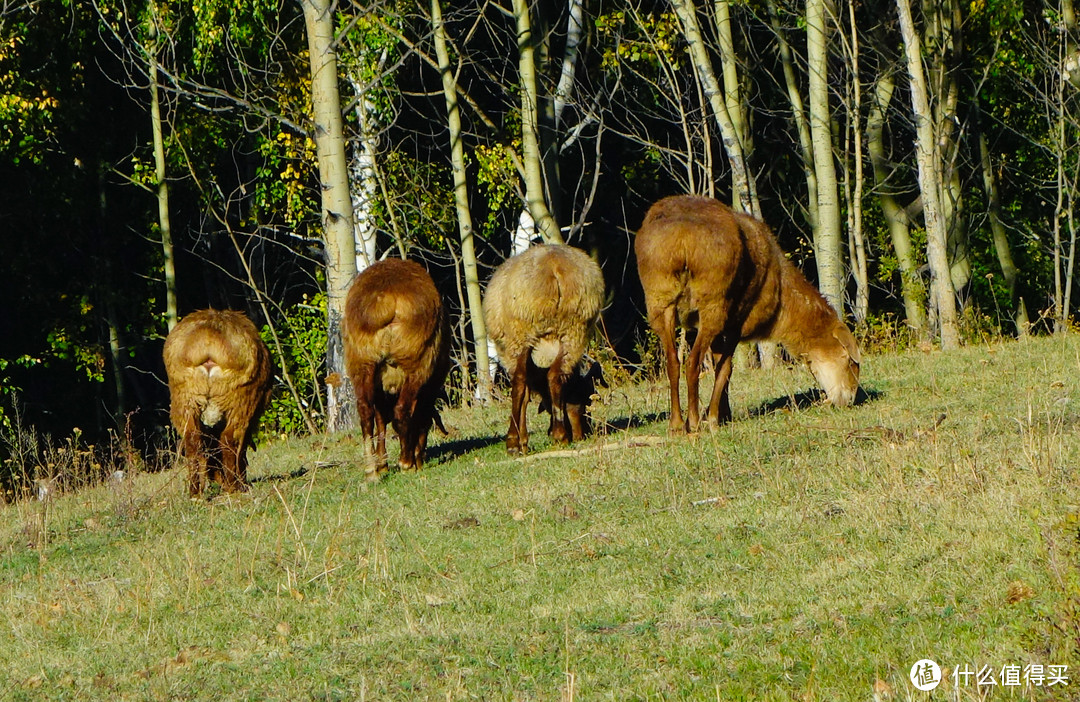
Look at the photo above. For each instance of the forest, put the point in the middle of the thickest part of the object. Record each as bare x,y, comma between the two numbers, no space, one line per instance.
919,161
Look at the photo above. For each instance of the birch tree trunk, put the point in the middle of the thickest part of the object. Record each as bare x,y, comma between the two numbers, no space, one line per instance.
798,114
733,99
911,286
164,222
944,47
564,90
337,211
461,201
941,288
827,236
363,176
1009,269
535,195
745,189
856,240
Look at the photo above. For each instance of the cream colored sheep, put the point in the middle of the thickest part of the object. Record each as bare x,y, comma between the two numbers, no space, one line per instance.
540,308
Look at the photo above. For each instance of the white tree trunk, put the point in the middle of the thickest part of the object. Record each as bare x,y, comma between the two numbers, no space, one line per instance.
941,288
827,236
798,113
461,201
745,191
164,221
911,286
363,175
535,196
564,91
337,213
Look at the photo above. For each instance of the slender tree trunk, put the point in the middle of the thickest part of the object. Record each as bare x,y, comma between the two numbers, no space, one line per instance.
929,184
363,176
337,212
944,47
1063,265
798,113
1070,266
461,200
535,196
745,190
733,98
564,90
827,236
164,223
911,285
1009,269
856,240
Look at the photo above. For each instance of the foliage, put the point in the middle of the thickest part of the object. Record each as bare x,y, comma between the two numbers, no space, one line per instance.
637,38
497,178
419,204
283,180
298,345
27,109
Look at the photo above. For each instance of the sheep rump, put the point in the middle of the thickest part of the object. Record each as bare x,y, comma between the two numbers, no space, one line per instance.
219,384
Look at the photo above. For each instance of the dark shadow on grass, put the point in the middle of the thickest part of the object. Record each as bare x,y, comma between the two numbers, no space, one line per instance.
624,423
808,398
282,477
449,450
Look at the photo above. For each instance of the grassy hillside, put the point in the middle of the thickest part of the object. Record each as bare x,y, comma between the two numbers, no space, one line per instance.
810,554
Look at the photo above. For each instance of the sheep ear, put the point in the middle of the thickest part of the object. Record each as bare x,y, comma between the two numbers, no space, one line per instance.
850,345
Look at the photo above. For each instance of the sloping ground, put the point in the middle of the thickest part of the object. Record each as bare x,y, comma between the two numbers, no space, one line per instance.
806,553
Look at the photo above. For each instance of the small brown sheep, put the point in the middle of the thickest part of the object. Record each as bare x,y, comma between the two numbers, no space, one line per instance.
219,382
397,355
540,309
707,267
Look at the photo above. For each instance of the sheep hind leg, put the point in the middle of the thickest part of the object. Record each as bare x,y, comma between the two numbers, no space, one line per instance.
664,327
363,381
379,463
193,456
233,460
693,376
517,436
556,380
719,404
404,421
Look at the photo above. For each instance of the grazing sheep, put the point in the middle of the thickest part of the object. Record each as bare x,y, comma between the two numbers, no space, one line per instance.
706,267
540,309
219,383
397,355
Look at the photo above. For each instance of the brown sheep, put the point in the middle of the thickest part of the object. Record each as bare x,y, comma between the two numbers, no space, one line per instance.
219,383
397,355
540,309
707,267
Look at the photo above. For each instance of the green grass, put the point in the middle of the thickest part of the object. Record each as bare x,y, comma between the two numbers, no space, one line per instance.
805,554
